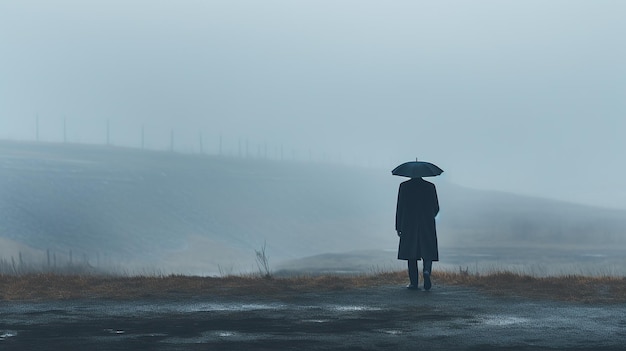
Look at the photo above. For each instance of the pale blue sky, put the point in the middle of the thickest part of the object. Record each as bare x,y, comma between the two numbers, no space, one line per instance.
521,96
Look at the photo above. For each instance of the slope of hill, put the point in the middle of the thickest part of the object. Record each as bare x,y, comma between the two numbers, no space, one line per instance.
199,213
163,208
489,218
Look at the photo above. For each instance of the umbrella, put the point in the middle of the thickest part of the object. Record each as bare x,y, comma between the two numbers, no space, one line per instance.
417,169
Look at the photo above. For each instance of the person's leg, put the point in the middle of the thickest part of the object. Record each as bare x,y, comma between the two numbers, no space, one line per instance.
428,267
413,274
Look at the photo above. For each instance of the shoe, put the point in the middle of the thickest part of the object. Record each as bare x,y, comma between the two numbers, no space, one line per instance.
427,283
412,287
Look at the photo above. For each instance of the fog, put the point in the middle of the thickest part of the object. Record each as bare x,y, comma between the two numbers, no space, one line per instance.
521,103
524,97
131,211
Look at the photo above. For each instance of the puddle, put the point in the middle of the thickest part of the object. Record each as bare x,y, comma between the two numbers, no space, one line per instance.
225,334
152,335
354,308
498,320
212,336
115,331
151,308
5,334
315,320
392,332
234,307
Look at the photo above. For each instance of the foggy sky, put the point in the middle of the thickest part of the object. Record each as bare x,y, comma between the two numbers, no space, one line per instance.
520,96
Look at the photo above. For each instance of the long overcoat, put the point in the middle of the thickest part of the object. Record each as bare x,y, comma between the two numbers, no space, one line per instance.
415,220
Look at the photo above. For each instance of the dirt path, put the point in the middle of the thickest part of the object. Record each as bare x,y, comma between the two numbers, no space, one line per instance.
385,318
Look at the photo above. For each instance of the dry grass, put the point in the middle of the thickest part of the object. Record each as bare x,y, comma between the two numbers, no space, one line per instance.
50,286
61,287
571,288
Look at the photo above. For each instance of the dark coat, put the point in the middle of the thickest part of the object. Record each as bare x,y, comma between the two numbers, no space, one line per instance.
415,220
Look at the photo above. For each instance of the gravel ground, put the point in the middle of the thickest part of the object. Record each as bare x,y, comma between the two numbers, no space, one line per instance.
382,318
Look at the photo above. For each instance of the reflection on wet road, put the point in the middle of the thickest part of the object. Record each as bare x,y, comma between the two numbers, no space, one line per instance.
369,319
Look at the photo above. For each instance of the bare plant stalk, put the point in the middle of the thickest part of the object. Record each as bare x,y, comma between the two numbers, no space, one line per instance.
263,262
13,264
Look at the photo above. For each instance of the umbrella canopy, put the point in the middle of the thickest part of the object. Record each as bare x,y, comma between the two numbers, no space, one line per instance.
417,169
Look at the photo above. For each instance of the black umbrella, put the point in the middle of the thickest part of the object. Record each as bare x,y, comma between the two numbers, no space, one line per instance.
417,169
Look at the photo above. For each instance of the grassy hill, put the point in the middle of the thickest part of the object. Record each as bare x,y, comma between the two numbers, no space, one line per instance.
200,214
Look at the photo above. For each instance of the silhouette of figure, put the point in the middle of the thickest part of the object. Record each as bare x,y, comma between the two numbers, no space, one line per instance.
415,223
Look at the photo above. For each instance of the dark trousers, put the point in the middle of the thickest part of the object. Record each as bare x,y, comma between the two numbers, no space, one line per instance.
413,272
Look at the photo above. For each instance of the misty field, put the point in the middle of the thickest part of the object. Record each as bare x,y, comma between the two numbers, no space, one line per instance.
123,209
83,221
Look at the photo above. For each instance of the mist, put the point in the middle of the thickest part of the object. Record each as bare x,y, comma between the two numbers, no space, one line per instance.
524,99
519,97
127,210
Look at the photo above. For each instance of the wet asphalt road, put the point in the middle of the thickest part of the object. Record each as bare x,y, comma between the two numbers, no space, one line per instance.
387,318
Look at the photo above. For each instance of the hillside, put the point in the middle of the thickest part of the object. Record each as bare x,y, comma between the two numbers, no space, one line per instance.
200,213
478,218
164,208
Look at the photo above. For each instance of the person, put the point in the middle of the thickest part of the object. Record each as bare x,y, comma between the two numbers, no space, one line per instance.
415,224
